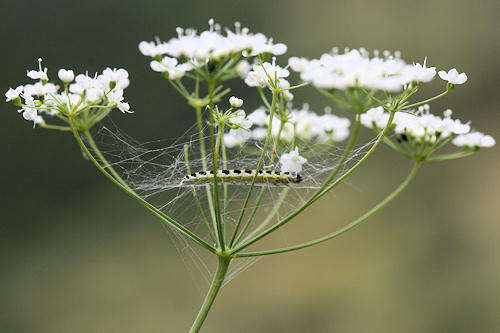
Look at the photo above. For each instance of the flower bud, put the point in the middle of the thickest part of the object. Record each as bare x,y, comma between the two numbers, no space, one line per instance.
66,76
235,102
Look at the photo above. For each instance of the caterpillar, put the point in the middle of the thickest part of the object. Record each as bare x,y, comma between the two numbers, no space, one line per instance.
242,176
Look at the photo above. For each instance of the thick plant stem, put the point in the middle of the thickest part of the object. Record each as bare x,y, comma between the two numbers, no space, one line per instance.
220,274
104,161
346,228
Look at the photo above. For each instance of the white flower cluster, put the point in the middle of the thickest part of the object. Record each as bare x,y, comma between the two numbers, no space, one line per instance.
101,90
301,123
190,48
269,75
355,68
424,127
474,140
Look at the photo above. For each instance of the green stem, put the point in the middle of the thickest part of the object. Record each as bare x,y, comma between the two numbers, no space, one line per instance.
203,152
165,218
439,145
394,146
226,203
452,156
55,127
317,196
348,227
215,167
425,101
220,274
104,161
263,97
297,86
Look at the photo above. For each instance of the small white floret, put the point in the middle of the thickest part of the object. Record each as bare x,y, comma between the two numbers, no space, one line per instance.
12,94
292,161
453,77
235,102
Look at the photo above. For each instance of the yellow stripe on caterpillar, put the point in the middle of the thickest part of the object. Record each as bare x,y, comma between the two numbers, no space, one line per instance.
242,176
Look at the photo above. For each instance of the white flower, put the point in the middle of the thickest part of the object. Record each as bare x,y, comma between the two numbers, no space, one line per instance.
239,118
303,124
263,74
259,133
243,68
235,102
333,127
307,124
355,68
170,66
40,89
94,95
231,141
421,125
292,161
236,137
12,94
421,73
375,116
212,44
453,76
40,74
116,97
124,107
100,92
298,64
29,111
474,140
114,78
287,132
66,76
259,117
149,49
84,83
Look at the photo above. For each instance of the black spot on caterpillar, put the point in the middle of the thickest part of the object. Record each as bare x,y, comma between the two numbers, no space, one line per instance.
239,176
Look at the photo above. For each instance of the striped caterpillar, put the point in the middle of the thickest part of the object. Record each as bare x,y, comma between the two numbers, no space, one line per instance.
242,176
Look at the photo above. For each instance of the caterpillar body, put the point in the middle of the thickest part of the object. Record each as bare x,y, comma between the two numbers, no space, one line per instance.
242,176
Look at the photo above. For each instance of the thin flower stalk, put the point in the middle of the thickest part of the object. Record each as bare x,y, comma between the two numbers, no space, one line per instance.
346,228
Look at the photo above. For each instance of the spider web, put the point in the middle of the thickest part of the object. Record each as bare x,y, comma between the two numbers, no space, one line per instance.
154,170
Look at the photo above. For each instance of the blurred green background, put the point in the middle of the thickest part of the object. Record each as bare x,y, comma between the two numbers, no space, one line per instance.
78,256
